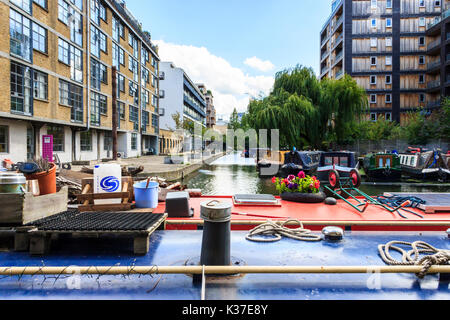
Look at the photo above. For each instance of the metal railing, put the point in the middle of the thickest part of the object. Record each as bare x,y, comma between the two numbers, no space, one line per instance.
339,21
339,74
338,40
434,84
434,104
324,55
434,64
338,57
434,44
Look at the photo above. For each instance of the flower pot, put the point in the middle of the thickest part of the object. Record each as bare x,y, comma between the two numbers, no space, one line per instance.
303,197
46,180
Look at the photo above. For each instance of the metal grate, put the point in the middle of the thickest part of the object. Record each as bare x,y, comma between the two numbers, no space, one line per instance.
97,221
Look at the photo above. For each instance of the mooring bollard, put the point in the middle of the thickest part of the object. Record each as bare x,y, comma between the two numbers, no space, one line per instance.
216,233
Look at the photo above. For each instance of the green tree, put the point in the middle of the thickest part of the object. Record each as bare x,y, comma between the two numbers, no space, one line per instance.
234,121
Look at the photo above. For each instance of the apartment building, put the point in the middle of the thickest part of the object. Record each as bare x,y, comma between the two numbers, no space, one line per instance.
59,57
210,109
384,45
179,95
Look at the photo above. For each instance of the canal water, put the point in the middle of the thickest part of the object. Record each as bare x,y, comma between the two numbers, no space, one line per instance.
233,174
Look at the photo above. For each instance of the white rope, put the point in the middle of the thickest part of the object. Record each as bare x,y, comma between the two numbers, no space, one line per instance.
412,257
277,230
203,293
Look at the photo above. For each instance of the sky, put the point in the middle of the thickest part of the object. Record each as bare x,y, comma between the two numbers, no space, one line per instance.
234,47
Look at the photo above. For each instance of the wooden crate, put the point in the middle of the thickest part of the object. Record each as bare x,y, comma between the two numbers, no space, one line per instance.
20,209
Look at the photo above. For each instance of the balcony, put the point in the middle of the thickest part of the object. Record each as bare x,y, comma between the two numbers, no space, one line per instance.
434,84
434,45
338,22
338,40
433,66
434,104
339,74
436,21
324,55
337,57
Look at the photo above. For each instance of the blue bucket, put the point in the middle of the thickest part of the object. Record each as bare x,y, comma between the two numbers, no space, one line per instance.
146,197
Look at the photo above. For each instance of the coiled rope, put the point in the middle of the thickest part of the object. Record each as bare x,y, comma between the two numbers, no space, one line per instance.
277,230
435,256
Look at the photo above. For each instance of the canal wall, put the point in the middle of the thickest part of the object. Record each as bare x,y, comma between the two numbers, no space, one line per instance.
178,173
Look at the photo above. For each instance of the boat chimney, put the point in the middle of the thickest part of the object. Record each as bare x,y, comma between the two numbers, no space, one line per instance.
216,233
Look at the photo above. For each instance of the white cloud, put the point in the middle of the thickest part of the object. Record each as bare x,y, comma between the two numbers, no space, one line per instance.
231,87
259,64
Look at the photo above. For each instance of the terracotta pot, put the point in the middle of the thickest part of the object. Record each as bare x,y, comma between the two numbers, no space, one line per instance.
303,197
46,179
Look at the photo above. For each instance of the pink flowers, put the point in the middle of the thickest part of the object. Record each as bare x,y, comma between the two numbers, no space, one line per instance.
301,175
300,184
291,177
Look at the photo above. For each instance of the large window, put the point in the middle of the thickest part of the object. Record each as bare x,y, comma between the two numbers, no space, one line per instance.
39,38
118,29
40,85
20,35
99,106
72,96
133,42
58,137
21,98
134,92
134,117
86,141
134,141
4,139
118,56
76,27
121,110
155,120
72,56
25,5
98,11
63,11
133,66
98,42
63,51
78,3
99,74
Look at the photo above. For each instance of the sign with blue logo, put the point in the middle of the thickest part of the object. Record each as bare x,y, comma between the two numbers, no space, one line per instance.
109,184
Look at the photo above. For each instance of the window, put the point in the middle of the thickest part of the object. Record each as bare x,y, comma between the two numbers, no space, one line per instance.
154,100
76,27
373,42
388,116
115,56
388,98
437,3
145,98
421,78
121,110
421,3
76,64
388,23
78,4
145,79
72,96
134,92
388,42
373,116
118,29
373,98
421,97
373,23
98,11
421,59
25,5
145,56
388,79
422,22
133,42
134,141
39,38
99,74
388,4
155,121
20,36
40,85
421,41
134,117
99,105
21,84
63,51
58,137
63,11
133,66
121,82
373,4
42,3
4,139
145,120
373,79
98,42
373,61
107,141
389,60
86,141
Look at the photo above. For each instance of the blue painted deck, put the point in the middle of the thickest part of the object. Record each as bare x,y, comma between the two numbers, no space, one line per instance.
176,247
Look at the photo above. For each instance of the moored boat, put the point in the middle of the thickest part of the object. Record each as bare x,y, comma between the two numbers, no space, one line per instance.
296,161
429,165
343,162
383,166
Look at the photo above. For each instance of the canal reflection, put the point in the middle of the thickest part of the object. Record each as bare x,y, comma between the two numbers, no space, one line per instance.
233,174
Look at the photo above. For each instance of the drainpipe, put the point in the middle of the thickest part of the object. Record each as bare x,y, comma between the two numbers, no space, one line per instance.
88,60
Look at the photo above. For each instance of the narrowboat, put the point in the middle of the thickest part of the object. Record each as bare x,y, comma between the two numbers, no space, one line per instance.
383,166
272,159
296,161
429,165
343,162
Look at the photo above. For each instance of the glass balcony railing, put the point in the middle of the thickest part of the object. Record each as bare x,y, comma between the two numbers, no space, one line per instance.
338,40
338,57
433,65
434,84
434,44
436,20
339,74
434,104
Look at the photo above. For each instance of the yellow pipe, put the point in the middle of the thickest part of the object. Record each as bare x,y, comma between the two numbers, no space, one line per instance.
115,270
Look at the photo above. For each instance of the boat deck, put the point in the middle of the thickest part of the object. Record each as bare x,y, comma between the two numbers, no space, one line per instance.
175,248
316,216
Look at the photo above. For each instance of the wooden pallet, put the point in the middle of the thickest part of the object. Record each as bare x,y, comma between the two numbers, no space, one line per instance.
37,242
86,199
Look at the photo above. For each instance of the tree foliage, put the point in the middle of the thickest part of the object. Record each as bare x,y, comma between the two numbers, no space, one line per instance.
306,110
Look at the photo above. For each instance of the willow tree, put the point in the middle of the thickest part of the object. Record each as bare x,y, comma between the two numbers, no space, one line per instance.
301,107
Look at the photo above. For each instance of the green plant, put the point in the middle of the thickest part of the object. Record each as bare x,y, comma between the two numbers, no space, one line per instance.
300,183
